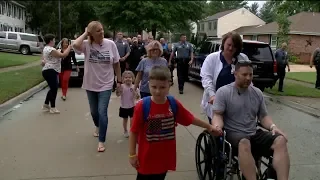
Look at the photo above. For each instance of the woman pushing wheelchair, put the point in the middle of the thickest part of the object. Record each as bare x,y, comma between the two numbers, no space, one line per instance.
235,108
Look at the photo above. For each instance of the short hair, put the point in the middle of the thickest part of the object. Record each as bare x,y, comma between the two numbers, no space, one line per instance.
130,73
48,38
243,63
236,39
182,35
161,73
154,44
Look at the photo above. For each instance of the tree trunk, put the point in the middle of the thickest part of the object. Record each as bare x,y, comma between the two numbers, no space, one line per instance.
154,31
114,35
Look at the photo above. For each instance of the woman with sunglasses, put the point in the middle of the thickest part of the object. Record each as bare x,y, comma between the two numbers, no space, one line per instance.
154,52
218,68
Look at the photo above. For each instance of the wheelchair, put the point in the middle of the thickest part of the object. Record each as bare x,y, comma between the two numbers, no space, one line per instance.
220,160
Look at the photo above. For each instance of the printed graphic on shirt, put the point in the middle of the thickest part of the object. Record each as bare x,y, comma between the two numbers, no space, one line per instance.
160,127
101,57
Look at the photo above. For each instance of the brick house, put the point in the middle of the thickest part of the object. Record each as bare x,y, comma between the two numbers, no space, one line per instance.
304,34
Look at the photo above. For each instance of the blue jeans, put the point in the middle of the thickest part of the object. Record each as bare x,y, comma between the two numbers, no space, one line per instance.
99,102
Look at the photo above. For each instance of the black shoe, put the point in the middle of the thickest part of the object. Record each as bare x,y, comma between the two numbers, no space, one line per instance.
180,91
318,87
280,90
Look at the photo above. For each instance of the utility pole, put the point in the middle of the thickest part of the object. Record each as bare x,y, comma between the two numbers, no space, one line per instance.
59,8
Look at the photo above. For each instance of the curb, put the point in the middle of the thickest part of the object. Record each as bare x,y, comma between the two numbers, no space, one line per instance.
9,105
299,107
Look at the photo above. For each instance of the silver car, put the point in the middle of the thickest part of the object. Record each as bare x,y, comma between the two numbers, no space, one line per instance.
75,75
22,42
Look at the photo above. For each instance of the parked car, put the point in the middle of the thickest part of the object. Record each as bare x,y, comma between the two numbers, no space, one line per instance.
22,42
260,53
75,75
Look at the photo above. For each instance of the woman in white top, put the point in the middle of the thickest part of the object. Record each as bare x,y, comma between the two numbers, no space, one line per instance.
218,67
50,71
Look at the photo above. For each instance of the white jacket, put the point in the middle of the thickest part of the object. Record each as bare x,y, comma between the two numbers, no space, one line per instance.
209,73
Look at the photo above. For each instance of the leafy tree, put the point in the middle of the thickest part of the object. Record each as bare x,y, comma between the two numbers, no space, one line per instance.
254,8
149,15
267,12
214,7
284,28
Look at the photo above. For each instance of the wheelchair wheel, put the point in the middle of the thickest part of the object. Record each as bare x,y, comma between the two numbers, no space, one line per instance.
206,148
269,173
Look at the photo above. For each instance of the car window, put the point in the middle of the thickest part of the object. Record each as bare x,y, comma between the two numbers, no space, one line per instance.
29,38
40,39
205,48
2,35
12,36
258,52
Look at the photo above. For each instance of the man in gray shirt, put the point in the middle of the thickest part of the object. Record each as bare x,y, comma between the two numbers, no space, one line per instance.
281,56
236,107
124,51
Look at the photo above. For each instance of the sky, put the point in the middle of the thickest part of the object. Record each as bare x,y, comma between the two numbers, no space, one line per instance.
259,2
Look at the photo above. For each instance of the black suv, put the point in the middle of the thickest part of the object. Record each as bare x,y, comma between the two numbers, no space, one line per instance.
260,53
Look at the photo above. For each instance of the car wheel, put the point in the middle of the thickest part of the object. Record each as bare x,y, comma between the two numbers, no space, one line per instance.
25,50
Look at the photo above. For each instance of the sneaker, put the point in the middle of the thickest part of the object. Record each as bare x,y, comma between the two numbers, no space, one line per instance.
54,111
126,134
63,98
46,107
180,91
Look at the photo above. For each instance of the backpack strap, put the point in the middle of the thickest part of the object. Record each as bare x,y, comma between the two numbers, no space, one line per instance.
146,103
173,105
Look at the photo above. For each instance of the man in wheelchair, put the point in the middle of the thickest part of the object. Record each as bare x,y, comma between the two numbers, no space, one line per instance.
236,107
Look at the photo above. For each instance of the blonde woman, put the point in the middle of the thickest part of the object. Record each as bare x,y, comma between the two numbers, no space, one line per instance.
101,61
154,52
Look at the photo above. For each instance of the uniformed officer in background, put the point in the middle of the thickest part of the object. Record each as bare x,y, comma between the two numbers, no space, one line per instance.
183,59
124,51
281,56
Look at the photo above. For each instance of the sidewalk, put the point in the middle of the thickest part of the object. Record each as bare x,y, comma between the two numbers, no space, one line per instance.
301,68
14,68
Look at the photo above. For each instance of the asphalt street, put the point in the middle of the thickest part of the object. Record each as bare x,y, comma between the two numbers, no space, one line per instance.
39,146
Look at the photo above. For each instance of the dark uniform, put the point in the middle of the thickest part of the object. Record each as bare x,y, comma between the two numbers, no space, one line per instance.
184,51
282,61
316,62
137,50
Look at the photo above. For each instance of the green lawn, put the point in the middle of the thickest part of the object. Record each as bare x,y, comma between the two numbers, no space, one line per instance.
12,59
294,89
309,77
13,83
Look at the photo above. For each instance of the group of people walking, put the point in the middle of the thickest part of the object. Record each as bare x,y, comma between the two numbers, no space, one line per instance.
226,78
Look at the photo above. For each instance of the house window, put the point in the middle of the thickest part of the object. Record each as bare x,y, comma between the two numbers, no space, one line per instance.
210,26
202,27
273,41
254,38
215,25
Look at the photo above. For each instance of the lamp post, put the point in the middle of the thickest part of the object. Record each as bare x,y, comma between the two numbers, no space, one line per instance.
59,9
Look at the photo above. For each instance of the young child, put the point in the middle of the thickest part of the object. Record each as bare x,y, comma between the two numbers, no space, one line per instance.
156,130
128,97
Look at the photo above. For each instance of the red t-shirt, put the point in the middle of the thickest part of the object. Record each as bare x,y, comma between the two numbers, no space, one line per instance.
157,136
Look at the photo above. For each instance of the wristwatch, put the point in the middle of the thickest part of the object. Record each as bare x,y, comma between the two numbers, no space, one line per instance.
272,126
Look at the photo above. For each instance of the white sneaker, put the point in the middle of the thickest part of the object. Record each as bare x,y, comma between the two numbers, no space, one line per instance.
126,134
54,111
45,107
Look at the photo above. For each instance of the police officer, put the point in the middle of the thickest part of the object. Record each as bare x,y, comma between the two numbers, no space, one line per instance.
183,59
123,49
281,56
315,60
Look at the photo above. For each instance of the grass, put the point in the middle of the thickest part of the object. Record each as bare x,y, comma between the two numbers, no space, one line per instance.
13,83
11,59
294,89
309,77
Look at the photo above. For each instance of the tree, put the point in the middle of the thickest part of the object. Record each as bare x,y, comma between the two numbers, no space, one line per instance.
254,8
283,28
214,7
149,15
267,12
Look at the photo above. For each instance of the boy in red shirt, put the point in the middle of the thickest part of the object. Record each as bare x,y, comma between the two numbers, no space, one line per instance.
156,134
